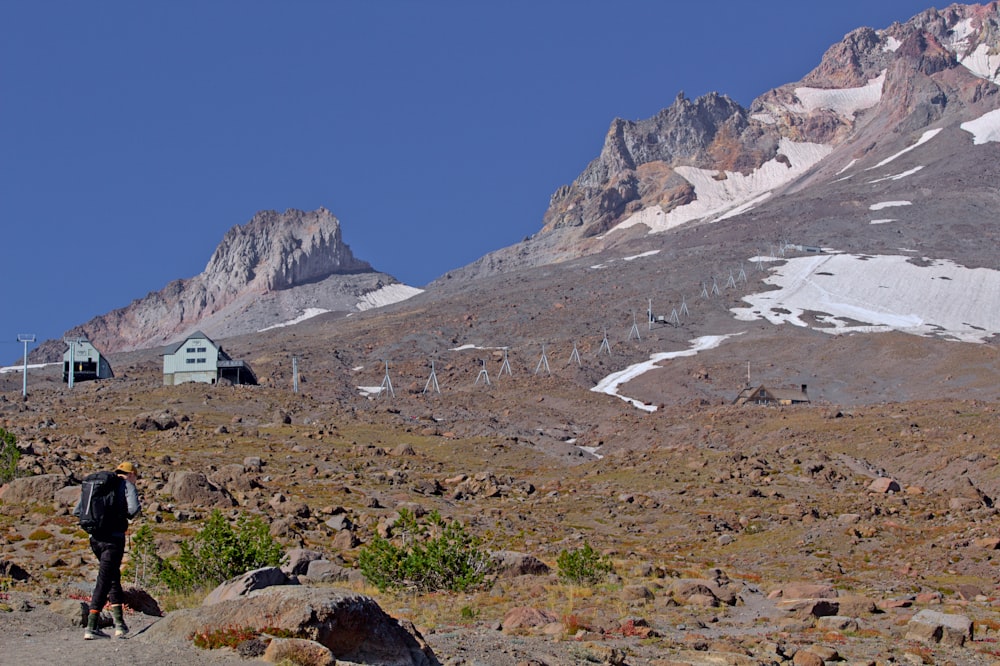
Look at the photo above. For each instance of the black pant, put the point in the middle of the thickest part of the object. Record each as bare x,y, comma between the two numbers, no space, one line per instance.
109,551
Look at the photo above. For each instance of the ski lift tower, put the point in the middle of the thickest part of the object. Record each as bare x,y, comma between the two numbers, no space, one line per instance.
25,338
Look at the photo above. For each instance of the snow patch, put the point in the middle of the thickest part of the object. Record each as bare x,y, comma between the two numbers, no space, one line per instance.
765,118
387,295
849,165
880,293
309,313
888,204
843,101
717,195
985,128
984,65
20,368
885,221
897,176
612,382
640,256
891,44
924,138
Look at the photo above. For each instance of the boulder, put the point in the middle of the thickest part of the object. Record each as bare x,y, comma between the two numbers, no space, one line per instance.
352,626
240,586
509,563
298,559
524,617
884,485
298,651
327,572
38,488
194,488
944,628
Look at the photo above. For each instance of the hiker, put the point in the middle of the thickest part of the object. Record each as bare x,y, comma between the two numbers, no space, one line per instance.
107,522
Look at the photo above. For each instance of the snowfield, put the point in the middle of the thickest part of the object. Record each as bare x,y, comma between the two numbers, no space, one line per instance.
850,293
843,101
985,128
387,295
611,383
717,198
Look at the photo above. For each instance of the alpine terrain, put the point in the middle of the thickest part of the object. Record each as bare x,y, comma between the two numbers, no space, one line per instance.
747,365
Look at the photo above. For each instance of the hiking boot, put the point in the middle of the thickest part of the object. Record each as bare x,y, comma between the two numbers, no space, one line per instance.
121,629
93,630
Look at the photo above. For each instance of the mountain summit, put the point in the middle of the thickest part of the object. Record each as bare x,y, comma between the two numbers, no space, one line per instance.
275,268
709,159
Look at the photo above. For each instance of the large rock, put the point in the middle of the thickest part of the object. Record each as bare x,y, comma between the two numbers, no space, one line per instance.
351,625
40,488
194,488
240,586
944,628
509,563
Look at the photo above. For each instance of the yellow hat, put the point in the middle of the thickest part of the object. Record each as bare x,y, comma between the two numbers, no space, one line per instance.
127,468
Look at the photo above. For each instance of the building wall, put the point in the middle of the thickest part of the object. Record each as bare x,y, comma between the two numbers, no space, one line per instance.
194,361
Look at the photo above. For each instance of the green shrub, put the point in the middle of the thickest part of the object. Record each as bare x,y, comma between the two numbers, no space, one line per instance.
144,563
9,456
217,553
432,556
583,565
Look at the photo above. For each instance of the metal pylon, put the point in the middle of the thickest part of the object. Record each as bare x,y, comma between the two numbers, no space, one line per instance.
483,374
684,307
605,345
674,319
505,366
386,383
432,381
635,329
575,356
543,362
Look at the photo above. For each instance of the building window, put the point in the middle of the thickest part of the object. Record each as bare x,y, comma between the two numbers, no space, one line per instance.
190,360
201,350
202,360
190,350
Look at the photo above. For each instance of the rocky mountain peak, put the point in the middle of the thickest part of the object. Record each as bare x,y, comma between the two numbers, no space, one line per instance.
272,269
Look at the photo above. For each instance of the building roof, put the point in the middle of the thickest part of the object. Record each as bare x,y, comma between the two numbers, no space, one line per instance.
172,349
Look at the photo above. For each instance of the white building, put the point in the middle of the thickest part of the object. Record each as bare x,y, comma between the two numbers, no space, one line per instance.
86,361
198,359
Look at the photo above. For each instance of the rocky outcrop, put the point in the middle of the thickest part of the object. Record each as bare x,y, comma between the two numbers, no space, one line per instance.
867,96
266,272
353,627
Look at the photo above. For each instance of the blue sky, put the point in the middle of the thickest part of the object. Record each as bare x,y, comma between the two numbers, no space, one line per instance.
134,134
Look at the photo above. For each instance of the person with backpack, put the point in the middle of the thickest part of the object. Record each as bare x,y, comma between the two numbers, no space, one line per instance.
108,500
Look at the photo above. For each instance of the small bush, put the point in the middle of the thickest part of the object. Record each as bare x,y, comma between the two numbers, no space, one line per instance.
583,565
9,456
229,637
217,553
433,556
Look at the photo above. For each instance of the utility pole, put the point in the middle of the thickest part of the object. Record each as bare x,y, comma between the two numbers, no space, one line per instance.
25,338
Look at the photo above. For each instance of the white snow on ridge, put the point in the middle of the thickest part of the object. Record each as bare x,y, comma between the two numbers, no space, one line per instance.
924,138
611,383
888,204
883,221
387,295
717,197
891,44
309,313
982,64
20,368
844,101
880,293
897,176
985,128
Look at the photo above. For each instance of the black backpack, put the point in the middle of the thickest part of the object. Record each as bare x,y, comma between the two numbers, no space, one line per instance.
97,502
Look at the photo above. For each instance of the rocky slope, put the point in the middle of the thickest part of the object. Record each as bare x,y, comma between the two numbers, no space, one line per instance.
710,159
266,272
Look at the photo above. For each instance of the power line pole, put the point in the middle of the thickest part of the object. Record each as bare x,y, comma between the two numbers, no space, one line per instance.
25,338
